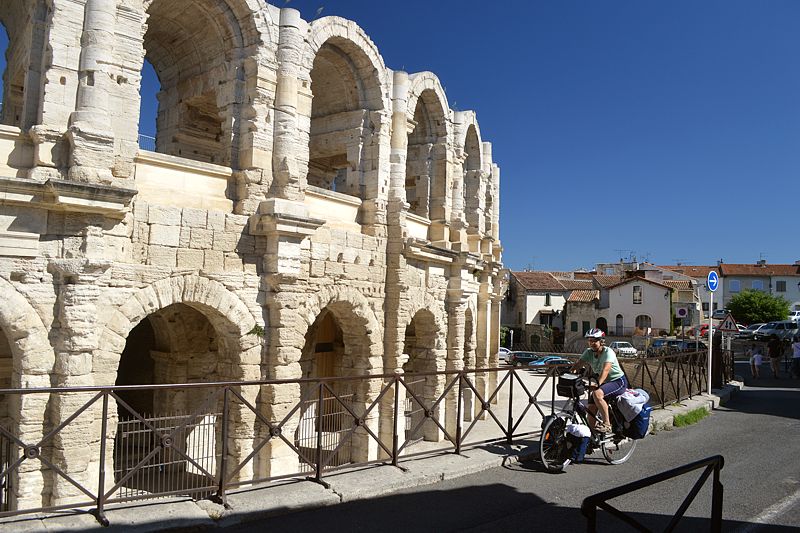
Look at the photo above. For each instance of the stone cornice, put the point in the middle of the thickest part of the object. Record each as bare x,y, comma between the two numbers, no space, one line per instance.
64,195
422,250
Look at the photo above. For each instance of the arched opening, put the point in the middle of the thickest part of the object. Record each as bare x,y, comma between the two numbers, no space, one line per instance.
424,168
148,107
343,87
12,84
194,47
419,346
618,327
602,324
473,207
177,344
643,323
324,356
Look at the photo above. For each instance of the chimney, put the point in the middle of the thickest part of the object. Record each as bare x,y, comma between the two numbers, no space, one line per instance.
762,262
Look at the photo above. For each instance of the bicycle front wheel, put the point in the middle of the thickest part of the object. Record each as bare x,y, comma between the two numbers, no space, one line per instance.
553,446
619,450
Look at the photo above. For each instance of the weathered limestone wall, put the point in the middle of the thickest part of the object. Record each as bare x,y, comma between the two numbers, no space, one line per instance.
296,177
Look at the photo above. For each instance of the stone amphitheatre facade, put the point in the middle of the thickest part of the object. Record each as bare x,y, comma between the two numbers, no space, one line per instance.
306,212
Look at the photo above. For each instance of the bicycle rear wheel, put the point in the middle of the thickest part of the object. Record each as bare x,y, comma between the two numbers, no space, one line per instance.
553,446
618,450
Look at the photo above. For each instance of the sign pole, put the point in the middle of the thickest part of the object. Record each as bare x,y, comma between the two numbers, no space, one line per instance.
712,281
710,335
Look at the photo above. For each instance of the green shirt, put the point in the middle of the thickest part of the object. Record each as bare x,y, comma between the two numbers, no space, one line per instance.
607,355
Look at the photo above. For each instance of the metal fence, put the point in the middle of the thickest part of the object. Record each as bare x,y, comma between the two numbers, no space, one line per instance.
334,423
147,142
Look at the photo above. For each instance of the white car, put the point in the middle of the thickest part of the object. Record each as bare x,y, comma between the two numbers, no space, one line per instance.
502,354
623,348
794,315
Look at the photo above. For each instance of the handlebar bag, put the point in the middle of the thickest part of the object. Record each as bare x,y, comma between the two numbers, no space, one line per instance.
569,385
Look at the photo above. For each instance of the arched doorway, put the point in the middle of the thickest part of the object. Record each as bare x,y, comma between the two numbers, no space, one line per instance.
424,163
419,347
323,356
618,326
602,324
177,344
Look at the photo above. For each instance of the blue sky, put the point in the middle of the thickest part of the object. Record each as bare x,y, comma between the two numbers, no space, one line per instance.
665,130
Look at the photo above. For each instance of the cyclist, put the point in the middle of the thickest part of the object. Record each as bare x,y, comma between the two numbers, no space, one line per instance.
612,382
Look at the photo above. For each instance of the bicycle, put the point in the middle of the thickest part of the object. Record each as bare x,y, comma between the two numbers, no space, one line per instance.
555,447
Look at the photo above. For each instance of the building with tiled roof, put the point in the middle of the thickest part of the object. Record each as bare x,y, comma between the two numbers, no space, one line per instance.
778,280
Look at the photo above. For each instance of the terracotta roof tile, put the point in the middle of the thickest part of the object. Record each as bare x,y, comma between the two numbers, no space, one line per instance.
538,281
729,269
577,283
607,281
583,296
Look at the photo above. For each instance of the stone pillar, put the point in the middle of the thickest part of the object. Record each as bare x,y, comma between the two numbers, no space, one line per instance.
441,183
483,327
90,136
496,248
75,449
496,299
289,152
396,290
284,226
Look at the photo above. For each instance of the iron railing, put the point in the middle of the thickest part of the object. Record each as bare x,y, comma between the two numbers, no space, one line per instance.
323,425
710,465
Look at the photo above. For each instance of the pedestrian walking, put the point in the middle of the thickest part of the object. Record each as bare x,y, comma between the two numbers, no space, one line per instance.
775,351
796,357
755,360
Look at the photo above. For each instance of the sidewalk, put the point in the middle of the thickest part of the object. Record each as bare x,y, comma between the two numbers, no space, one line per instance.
258,503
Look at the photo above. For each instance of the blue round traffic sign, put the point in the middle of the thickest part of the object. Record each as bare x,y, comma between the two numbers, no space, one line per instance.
712,281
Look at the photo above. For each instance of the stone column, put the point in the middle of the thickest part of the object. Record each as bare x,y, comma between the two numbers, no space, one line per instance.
496,248
90,136
483,356
75,449
396,290
289,152
441,183
496,298
283,227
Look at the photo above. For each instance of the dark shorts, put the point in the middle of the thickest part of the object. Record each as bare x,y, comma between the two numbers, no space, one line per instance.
612,389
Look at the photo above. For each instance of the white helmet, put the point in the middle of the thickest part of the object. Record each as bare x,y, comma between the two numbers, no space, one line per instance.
595,333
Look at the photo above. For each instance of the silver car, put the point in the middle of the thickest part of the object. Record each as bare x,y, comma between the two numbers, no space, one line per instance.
623,348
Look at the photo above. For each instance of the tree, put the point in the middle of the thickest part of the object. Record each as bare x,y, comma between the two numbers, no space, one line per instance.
753,306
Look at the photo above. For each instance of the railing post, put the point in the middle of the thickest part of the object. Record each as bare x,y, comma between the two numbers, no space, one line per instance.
396,421
101,481
716,501
459,409
510,430
553,393
223,462
318,469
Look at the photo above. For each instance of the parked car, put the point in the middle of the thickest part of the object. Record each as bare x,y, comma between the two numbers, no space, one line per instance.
719,314
663,347
543,365
749,331
502,354
623,348
692,346
794,315
698,331
519,358
783,329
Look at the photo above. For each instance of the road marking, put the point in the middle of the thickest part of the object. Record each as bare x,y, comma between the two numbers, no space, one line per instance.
772,513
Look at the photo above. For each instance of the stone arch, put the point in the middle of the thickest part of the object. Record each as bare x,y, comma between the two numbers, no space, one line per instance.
435,309
353,41
349,108
32,361
356,318
202,52
426,161
226,312
34,358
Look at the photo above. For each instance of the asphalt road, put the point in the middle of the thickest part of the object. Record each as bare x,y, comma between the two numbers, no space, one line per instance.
757,432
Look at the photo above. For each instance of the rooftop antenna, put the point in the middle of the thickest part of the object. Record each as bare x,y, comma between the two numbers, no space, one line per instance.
679,262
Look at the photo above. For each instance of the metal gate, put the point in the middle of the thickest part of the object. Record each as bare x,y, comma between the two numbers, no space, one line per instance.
414,412
7,456
331,428
145,465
